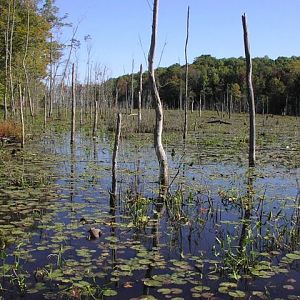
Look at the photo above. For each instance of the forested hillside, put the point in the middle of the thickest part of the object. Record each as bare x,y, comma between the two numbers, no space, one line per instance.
222,82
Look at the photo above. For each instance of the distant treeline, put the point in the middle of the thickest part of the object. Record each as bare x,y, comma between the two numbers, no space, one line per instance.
220,84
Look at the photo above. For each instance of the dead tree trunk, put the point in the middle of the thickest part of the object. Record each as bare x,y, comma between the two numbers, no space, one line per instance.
95,123
51,79
250,94
22,116
132,89
186,75
45,111
200,105
115,158
140,99
73,115
7,55
180,92
160,152
24,64
11,59
117,97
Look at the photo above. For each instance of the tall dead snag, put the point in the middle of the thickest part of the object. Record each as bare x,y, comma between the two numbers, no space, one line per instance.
115,159
186,75
24,63
250,94
73,114
132,88
7,55
140,99
117,97
45,111
160,152
95,123
11,38
22,116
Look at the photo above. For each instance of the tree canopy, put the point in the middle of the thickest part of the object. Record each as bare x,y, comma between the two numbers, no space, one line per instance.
26,43
276,83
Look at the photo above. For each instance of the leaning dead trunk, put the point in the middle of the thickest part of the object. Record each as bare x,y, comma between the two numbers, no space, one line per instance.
186,75
73,116
160,152
250,95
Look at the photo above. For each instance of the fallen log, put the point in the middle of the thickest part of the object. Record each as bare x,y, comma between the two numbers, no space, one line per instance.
219,122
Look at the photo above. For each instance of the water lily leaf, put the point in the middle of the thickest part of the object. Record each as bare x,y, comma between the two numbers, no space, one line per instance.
228,284
237,294
146,297
207,295
176,291
293,256
152,283
200,289
164,291
110,293
223,290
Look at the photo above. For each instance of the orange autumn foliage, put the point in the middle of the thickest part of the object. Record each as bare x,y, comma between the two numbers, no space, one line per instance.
10,129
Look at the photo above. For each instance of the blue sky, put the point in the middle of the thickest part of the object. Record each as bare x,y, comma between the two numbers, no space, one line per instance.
215,28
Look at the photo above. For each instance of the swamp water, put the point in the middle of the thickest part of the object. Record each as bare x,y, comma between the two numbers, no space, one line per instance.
222,234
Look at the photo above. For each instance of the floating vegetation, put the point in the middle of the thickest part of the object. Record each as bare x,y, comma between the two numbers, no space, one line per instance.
222,233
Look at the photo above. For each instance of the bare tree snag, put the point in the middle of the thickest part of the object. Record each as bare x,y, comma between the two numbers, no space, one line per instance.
160,152
117,97
73,115
250,94
24,63
50,77
132,89
45,111
186,76
7,56
10,58
22,116
200,105
115,157
95,123
140,99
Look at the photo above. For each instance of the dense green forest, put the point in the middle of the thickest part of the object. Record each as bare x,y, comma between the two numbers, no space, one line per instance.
221,82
